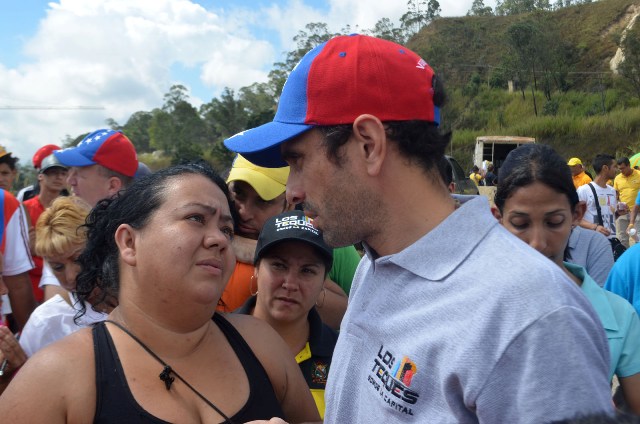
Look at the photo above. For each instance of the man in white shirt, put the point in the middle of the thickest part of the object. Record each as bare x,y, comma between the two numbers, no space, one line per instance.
605,196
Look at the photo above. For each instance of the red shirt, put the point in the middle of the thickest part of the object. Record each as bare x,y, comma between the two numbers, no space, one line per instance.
34,209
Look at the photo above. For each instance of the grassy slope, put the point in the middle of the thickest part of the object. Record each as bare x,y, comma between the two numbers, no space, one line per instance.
454,46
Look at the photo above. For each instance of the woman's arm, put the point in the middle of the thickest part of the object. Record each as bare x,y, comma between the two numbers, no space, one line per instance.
286,378
631,390
632,216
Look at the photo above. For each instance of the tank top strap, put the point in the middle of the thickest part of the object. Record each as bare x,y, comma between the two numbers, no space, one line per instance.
114,400
262,402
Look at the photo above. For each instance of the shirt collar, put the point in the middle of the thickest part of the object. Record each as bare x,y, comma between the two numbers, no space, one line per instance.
596,295
439,252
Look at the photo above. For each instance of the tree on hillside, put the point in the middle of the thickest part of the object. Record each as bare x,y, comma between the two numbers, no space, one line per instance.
419,14
559,4
386,30
479,9
177,93
177,128
630,67
514,7
259,103
523,40
225,117
137,130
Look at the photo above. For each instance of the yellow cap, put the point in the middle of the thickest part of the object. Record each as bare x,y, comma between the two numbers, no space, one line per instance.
3,151
269,183
574,162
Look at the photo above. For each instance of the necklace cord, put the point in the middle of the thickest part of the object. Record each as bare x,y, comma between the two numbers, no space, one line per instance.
165,375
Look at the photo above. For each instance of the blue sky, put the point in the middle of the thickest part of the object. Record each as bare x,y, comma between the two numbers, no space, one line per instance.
124,55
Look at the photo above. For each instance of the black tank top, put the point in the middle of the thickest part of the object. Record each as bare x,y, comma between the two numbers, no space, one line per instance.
115,402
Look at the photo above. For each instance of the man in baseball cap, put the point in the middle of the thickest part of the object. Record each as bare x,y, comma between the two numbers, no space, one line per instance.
102,164
32,190
424,338
580,177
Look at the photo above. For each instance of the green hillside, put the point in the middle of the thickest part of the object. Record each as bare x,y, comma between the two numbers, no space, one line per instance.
590,112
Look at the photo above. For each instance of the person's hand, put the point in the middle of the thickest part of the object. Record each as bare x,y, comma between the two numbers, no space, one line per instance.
11,350
602,230
244,248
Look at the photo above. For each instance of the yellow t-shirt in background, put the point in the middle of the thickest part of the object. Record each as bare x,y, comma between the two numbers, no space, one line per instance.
628,187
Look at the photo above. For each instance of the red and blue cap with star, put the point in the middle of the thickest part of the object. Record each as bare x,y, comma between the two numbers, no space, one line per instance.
338,81
109,148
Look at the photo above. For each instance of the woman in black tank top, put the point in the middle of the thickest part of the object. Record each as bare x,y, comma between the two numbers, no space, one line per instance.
163,249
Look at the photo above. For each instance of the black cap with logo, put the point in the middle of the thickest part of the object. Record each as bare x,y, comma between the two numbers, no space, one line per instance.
293,225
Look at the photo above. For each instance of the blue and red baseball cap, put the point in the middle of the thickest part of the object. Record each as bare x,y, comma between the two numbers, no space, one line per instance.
108,148
338,81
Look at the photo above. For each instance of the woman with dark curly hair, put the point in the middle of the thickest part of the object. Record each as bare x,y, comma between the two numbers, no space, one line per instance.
162,248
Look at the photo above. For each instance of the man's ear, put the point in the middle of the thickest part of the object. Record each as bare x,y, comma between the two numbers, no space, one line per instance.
115,185
126,241
496,213
578,212
369,132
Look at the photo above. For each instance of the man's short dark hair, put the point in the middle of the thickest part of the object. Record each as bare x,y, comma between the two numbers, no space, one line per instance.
9,160
624,160
602,160
420,142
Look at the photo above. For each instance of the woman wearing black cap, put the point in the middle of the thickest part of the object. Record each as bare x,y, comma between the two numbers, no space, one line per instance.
291,263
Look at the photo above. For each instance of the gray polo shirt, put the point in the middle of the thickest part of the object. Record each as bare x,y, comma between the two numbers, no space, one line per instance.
468,324
591,250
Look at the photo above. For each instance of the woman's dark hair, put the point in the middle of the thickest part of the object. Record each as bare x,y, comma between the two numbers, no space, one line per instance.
133,206
531,163
421,142
535,163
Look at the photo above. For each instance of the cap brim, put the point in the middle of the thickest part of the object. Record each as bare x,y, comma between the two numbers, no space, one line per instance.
267,188
261,145
43,170
319,248
72,158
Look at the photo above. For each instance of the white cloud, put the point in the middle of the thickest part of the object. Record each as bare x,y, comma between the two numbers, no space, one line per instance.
119,54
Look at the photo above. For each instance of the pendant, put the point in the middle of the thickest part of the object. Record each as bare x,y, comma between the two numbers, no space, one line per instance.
165,376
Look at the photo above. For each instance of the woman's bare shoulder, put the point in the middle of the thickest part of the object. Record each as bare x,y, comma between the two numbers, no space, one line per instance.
266,344
256,332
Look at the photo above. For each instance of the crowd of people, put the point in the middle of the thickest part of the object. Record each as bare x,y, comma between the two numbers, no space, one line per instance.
183,296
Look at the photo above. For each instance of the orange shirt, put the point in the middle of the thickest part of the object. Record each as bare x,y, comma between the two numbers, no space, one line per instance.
581,179
238,288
